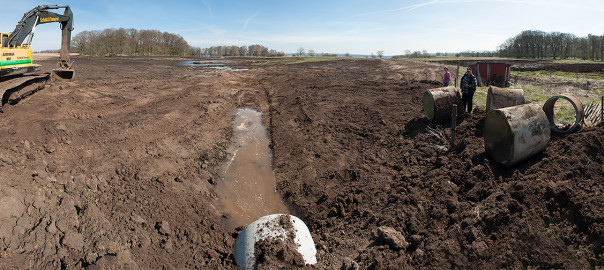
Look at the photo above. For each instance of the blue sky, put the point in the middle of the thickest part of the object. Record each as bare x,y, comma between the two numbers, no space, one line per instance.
336,26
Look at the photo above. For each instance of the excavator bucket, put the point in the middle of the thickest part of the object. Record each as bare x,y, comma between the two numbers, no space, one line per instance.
62,75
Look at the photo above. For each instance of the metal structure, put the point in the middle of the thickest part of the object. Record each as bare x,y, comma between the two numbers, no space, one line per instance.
15,52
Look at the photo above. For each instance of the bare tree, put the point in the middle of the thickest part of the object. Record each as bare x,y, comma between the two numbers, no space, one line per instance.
538,44
242,50
311,53
300,51
380,53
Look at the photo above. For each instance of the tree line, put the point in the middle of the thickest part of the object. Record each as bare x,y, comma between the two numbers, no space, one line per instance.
556,45
132,42
251,50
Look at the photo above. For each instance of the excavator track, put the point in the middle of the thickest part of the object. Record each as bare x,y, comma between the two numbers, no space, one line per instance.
16,88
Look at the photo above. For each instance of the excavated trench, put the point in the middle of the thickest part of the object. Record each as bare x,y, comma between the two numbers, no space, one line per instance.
247,184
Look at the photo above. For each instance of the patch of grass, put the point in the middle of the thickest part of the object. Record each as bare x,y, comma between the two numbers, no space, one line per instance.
557,74
574,61
565,115
480,98
297,60
535,94
453,58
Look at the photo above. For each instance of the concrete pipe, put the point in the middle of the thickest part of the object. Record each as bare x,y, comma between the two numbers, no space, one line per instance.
438,103
515,133
555,124
498,98
281,227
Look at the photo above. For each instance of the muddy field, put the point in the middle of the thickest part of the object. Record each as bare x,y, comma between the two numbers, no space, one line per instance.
119,169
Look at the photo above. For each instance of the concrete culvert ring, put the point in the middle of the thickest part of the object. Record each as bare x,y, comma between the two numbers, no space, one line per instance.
438,103
515,133
557,125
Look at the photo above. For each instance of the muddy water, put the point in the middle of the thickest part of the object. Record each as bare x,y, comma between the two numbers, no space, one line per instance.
247,188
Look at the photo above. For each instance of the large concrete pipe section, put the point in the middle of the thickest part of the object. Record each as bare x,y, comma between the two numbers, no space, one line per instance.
438,103
515,133
555,124
498,98
275,227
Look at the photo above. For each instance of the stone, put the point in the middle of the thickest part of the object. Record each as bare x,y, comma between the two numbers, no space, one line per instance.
350,264
163,227
392,237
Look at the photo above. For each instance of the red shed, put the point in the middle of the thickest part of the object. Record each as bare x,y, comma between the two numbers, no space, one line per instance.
491,73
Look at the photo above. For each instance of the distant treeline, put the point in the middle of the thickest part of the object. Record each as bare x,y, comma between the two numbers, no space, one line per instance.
153,42
252,50
556,45
536,45
426,54
130,42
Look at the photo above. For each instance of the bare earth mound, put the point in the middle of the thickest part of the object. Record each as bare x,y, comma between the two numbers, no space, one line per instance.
118,169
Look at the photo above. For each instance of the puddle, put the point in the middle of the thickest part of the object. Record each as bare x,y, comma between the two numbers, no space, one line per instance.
198,63
247,185
215,64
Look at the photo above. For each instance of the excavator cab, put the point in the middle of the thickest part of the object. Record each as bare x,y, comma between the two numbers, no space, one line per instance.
4,38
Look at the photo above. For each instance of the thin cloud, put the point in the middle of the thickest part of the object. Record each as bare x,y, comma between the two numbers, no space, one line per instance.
406,9
551,3
400,10
248,20
205,3
416,6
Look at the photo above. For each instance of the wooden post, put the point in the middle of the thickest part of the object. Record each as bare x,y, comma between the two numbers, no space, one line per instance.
602,109
453,125
456,75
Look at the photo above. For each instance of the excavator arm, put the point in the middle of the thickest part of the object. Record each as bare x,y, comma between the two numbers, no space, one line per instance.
40,15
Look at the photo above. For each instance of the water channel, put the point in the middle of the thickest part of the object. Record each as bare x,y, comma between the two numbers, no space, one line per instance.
247,185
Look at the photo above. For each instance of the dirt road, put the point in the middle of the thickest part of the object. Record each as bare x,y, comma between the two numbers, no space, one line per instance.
119,169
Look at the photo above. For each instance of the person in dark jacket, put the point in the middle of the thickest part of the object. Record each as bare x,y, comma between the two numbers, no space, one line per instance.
468,87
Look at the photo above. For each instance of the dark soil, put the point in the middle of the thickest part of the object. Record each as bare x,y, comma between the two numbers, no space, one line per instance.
118,169
273,253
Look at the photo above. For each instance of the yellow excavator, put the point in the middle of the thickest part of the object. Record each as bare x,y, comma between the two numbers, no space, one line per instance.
17,71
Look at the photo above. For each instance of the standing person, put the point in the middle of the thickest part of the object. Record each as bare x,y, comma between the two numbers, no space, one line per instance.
468,87
446,78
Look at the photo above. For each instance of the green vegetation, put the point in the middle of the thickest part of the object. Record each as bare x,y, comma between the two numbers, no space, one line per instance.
558,74
565,114
296,60
453,58
536,94
480,98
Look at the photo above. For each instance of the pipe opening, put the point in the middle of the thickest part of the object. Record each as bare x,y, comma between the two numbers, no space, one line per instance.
564,112
498,137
